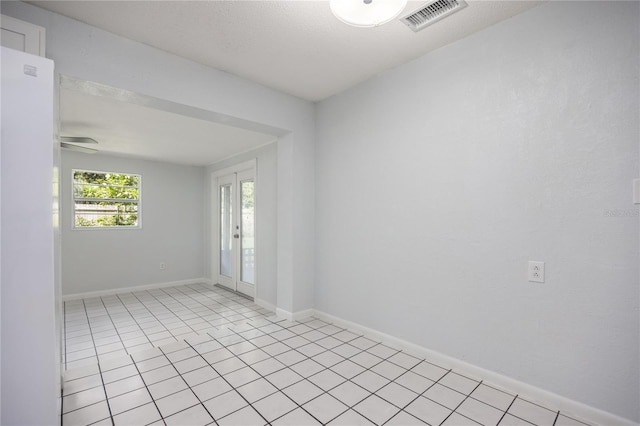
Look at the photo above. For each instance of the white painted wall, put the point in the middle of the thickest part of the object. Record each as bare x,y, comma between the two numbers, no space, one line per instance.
29,386
172,231
437,181
266,219
88,53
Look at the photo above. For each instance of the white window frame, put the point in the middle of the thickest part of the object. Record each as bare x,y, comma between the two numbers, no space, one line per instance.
97,228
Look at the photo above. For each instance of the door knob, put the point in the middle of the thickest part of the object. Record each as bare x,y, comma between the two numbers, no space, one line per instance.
236,235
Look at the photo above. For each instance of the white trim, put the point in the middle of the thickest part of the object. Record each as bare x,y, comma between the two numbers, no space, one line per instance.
249,175
225,280
118,94
567,406
295,316
103,228
249,165
264,304
111,292
240,167
239,153
281,313
34,35
300,315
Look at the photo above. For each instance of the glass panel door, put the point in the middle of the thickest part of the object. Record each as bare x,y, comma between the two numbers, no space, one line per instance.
247,233
226,226
236,232
226,230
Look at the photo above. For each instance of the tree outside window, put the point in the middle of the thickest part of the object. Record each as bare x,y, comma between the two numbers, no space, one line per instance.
105,199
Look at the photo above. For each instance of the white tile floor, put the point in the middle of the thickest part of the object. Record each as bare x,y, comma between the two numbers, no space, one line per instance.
200,355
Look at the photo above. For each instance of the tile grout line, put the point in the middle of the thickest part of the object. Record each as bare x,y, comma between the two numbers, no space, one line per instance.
104,390
324,368
197,301
137,324
421,394
157,319
233,388
179,375
170,295
361,350
148,391
507,410
117,334
177,303
467,396
342,342
88,328
278,389
154,315
187,307
399,384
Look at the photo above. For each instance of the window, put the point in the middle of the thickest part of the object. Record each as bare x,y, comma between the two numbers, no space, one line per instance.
106,200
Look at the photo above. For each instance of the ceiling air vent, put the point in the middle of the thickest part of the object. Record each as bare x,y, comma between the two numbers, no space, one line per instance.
431,13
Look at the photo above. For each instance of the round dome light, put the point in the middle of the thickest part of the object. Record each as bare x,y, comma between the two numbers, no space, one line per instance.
366,13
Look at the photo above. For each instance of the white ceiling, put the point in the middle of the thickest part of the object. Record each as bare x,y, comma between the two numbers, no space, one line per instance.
129,129
297,47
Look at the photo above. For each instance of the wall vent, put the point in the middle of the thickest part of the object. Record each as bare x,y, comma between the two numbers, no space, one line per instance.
432,13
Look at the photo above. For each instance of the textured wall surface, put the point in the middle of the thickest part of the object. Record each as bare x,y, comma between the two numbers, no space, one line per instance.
438,181
172,228
87,53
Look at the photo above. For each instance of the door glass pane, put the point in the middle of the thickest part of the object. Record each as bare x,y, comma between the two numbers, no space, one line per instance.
247,270
226,231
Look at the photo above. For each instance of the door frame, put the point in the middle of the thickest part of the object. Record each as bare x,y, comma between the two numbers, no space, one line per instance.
250,165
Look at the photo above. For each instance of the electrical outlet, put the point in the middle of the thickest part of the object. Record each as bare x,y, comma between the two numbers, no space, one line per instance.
162,265
536,271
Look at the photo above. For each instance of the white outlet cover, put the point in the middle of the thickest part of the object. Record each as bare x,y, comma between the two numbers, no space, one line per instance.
536,271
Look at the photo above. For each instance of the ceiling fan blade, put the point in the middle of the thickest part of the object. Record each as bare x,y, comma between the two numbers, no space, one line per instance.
77,148
77,139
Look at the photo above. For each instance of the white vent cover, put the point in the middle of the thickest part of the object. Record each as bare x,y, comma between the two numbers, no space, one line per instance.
431,13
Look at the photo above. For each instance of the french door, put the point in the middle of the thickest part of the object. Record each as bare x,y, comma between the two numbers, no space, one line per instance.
236,222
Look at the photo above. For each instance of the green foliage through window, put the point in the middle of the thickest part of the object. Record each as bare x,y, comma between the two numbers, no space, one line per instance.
104,199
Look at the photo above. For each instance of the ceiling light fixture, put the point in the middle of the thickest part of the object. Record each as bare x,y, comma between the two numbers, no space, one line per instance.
366,13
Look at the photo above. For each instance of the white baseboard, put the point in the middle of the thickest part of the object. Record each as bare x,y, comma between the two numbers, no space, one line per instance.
297,316
294,316
284,314
545,398
111,292
264,304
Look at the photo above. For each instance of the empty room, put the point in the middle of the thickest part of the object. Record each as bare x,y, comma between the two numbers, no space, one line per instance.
345,212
